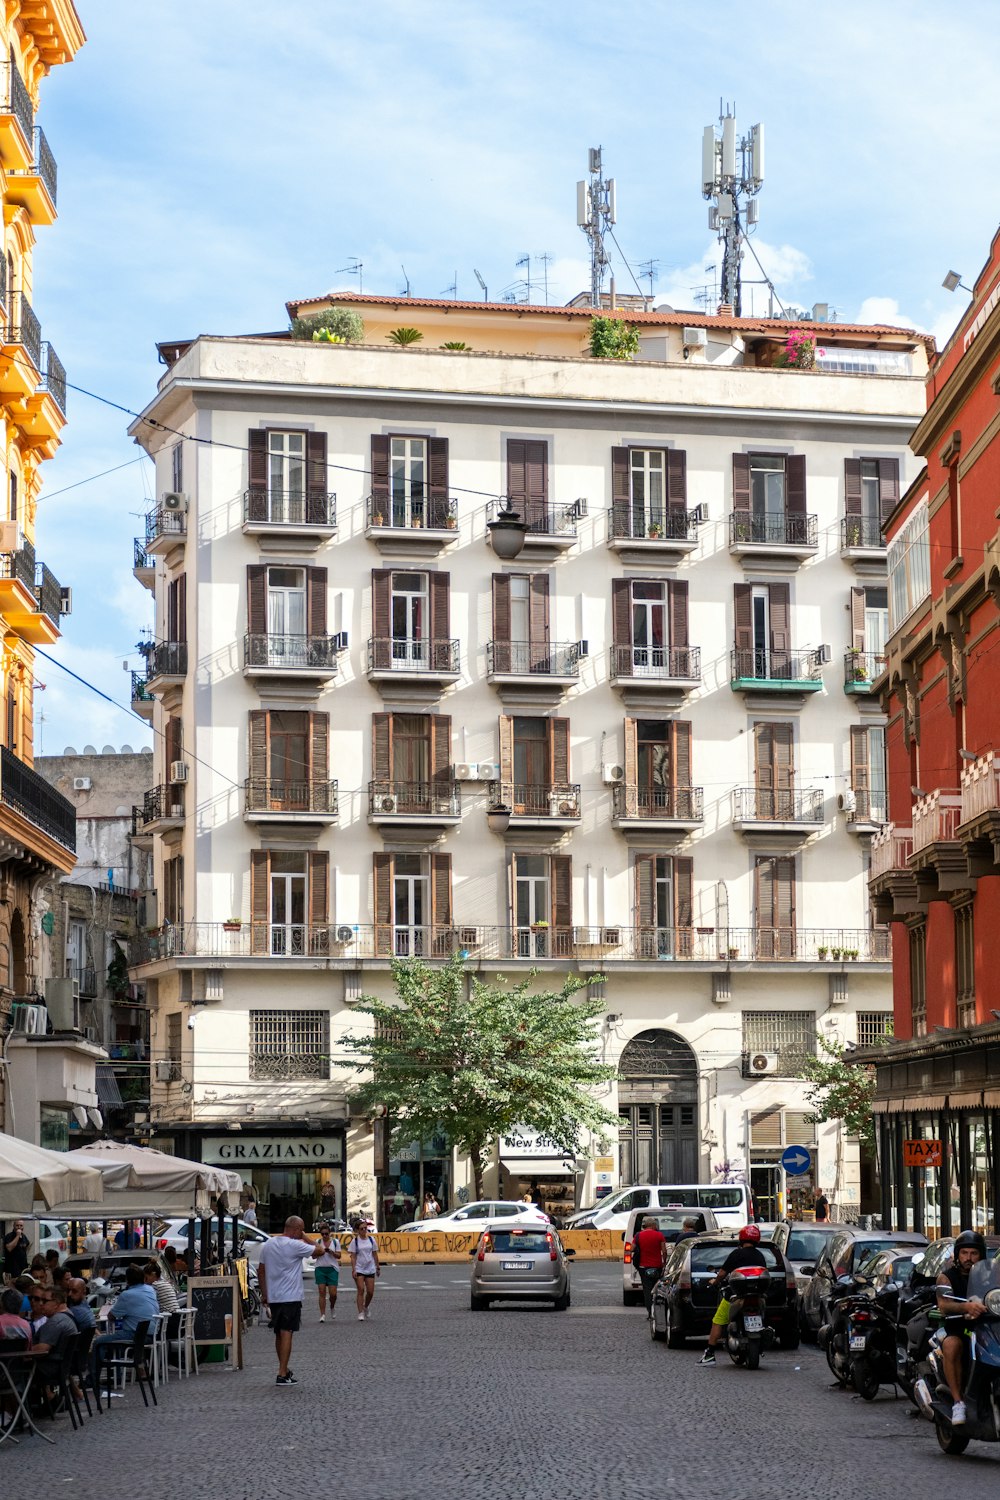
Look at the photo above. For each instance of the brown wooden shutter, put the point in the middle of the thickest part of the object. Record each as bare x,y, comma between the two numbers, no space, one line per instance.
380,477
182,607
319,902
537,476
680,757
621,524
316,601
852,486
561,879
779,608
741,482
501,623
784,757
888,486
795,484
743,626
437,464
319,753
538,622
383,903
258,756
506,742
683,905
440,755
645,906
621,625
763,906
860,768
257,599
559,746
442,941
676,479
382,747
172,741
260,901
257,475
316,478
381,618
631,766
857,619
517,478
439,589
784,903
677,594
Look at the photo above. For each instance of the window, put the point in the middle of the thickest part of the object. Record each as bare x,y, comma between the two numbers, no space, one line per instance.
413,905
908,559
774,906
408,618
663,905
836,360
789,1033
289,1044
410,905
531,896
660,750
407,480
646,489
650,630
873,1027
542,900
286,604
76,950
13,495
774,772
520,613
173,890
918,979
288,903
868,773
767,494
286,475
521,625
532,762
965,966
876,621
761,631
177,467
175,1022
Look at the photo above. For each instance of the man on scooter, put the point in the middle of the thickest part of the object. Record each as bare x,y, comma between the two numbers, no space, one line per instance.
953,1285
745,1254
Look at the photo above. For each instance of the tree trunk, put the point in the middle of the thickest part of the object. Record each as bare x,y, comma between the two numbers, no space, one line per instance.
476,1157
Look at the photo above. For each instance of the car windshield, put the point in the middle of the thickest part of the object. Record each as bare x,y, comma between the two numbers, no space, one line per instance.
806,1244
668,1223
720,1197
864,1253
708,1257
512,1241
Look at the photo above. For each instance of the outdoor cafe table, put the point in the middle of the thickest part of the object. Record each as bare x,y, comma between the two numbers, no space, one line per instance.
8,1364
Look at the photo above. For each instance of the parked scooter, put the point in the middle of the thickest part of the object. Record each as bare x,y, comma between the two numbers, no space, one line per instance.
917,1321
834,1334
871,1344
981,1391
747,1335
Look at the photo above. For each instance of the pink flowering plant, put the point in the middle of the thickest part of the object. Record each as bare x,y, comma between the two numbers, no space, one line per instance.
799,352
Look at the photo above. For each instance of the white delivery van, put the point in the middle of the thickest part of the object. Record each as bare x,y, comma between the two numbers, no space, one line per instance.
730,1202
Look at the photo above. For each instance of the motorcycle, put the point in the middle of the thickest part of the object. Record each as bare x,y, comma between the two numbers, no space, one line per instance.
916,1323
747,1335
981,1388
833,1335
872,1349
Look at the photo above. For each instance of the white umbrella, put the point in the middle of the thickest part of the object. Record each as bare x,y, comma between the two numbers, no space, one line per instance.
30,1175
169,1184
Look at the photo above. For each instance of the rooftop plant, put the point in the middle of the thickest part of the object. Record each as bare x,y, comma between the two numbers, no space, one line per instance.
335,325
613,338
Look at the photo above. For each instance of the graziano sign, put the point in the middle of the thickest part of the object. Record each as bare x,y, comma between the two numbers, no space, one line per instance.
272,1151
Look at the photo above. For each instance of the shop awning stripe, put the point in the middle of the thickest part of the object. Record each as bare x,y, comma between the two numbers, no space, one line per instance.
924,1101
966,1100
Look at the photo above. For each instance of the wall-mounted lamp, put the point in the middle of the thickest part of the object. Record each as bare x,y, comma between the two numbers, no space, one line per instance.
96,1118
968,755
508,531
498,818
918,791
953,281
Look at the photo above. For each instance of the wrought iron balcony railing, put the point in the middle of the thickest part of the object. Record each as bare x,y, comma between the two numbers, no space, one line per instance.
140,689
167,659
24,328
557,800
53,376
291,797
656,663
793,529
542,518
412,511
163,523
161,802
861,669
428,799
651,523
401,654
140,558
751,664
532,659
869,807
48,593
86,979
777,805
861,531
30,795
15,99
20,566
678,804
278,507
292,653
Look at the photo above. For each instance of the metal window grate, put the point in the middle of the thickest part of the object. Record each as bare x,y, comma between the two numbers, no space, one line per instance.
289,1044
873,1025
789,1033
918,979
965,966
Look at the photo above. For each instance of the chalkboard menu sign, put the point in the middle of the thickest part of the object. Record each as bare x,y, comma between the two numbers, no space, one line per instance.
216,1300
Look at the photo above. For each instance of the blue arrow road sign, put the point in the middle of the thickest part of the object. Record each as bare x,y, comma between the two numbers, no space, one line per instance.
796,1160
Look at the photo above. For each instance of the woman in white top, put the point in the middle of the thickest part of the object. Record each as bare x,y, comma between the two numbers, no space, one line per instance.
363,1251
327,1271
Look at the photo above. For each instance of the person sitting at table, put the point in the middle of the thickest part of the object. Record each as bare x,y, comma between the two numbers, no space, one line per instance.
39,1271
12,1324
166,1296
25,1285
137,1304
77,1305
57,1328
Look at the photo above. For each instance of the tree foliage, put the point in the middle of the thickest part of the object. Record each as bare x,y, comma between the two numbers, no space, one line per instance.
840,1089
613,338
335,325
475,1060
404,336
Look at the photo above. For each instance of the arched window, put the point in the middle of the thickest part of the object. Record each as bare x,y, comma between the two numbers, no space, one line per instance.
658,1109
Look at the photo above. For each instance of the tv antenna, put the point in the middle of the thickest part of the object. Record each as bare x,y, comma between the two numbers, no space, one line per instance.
452,291
356,268
482,283
732,174
407,280
648,270
525,260
595,213
546,260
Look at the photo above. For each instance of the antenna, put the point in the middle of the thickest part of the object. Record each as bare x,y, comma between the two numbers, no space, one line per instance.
648,270
525,261
732,174
546,260
482,283
407,280
452,291
356,268
596,211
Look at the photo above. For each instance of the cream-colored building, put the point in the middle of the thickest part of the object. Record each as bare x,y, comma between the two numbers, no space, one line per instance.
669,690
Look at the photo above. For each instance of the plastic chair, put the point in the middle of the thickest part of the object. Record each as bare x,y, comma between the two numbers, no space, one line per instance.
63,1383
182,1343
81,1367
133,1358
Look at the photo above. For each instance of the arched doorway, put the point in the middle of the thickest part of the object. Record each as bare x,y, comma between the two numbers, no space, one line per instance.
17,957
658,1109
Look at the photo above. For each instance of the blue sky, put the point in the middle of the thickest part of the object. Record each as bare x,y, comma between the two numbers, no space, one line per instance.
212,166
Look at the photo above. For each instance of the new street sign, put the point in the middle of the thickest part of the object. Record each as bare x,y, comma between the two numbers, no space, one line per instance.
796,1160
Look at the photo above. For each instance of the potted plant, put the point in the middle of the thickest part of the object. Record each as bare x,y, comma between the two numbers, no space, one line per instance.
232,924
734,953
655,529
835,954
404,337
418,522
854,533
539,926
378,519
822,951
451,522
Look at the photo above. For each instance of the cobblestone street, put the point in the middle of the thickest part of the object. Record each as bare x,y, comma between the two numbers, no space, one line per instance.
428,1398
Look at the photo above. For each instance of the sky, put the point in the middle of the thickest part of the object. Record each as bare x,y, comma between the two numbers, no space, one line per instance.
221,157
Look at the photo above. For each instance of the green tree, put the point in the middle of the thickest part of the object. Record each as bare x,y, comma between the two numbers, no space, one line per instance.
840,1089
613,338
342,324
474,1060
404,336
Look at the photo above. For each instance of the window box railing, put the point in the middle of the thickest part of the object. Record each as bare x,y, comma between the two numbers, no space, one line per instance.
936,818
628,522
656,663
24,328
777,805
557,800
15,99
429,799
861,668
167,659
266,796
542,520
679,804
161,803
293,653
48,593
748,664
869,807
162,523
53,376
20,566
413,512
140,558
890,852
278,507
861,532
531,659
791,530
30,795
140,689
401,654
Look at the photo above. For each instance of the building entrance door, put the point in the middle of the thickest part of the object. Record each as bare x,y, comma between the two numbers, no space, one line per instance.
658,1110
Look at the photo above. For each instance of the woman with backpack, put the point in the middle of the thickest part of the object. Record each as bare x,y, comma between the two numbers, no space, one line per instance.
363,1250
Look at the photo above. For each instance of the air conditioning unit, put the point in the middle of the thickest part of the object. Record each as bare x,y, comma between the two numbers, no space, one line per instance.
489,770
761,1063
62,1000
699,515
345,934
174,500
695,338
65,600
388,804
164,1071
466,771
82,783
614,775
178,771
824,655
25,1020
847,801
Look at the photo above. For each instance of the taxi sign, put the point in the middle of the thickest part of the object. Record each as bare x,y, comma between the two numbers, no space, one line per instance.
922,1153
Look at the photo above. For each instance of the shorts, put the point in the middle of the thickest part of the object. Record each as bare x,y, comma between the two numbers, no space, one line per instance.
955,1326
327,1275
286,1317
721,1319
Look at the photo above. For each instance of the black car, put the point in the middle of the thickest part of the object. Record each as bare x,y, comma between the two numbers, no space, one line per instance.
840,1261
885,1276
928,1266
684,1304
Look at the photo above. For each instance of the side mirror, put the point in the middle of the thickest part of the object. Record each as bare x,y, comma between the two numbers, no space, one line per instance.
568,1253
473,1250
807,1271
459,1218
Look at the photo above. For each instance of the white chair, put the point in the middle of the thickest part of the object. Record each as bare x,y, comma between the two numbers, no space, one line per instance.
182,1343
158,1334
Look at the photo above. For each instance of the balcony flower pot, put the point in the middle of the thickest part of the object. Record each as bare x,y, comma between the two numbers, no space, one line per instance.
821,953
233,925
734,953
378,519
417,523
655,531
451,522
835,954
539,926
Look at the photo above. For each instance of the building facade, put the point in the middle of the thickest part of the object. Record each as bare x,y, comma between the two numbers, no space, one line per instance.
932,866
37,825
648,747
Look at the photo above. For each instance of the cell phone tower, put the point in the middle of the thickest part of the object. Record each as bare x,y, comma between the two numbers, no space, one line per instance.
595,213
732,174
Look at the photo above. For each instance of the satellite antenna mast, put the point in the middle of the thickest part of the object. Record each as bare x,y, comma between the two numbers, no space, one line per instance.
732,174
482,283
546,260
525,260
595,213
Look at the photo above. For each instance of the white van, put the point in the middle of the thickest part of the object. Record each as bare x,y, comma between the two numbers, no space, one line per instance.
730,1202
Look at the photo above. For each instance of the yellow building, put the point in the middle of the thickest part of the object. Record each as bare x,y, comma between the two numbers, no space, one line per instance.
37,825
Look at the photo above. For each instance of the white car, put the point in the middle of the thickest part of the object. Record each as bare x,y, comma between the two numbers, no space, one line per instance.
483,1214
175,1232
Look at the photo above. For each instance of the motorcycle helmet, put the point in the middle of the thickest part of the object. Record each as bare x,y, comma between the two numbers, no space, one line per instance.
969,1239
750,1235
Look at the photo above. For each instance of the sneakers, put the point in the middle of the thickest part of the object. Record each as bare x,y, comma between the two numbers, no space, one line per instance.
322,1317
708,1358
958,1414
361,1317
288,1379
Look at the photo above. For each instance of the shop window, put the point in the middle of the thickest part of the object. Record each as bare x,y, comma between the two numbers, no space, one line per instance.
289,1044
873,1027
790,1034
918,979
965,966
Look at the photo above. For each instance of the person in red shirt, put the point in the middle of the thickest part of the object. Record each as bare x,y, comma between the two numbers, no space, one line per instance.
649,1251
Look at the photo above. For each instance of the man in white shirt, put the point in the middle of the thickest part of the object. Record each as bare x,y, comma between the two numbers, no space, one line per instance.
279,1279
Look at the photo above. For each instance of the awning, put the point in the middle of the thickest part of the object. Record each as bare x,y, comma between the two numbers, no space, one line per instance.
887,1106
108,1093
924,1101
539,1166
967,1100
991,1098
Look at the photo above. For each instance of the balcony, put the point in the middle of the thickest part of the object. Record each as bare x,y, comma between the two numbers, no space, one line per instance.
861,669
866,811
892,885
29,796
979,823
400,658
43,626
162,809
166,528
33,187
142,698
862,542
937,857
784,813
166,665
46,406
86,981
792,536
143,568
676,669
21,366
659,533
411,523
414,802
290,801
554,806
17,583
289,513
17,120
659,809
530,664
551,528
294,656
774,672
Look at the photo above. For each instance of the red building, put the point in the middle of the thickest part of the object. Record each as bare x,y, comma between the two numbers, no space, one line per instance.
935,869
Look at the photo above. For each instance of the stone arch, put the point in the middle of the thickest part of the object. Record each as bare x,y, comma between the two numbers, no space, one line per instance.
659,1115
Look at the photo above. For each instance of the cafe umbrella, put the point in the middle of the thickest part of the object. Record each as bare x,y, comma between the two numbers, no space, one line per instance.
33,1180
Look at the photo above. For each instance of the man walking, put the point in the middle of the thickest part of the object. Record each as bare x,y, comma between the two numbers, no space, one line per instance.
648,1254
279,1280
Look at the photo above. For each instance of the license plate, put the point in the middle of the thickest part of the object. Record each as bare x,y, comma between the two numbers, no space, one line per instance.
753,1323
515,1265
858,1342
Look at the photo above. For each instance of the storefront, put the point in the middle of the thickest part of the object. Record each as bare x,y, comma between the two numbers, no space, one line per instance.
419,1168
302,1175
533,1164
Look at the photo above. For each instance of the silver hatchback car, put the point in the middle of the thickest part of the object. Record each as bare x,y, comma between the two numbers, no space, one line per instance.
523,1264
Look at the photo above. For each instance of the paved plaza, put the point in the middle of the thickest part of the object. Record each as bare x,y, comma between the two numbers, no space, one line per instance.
430,1399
